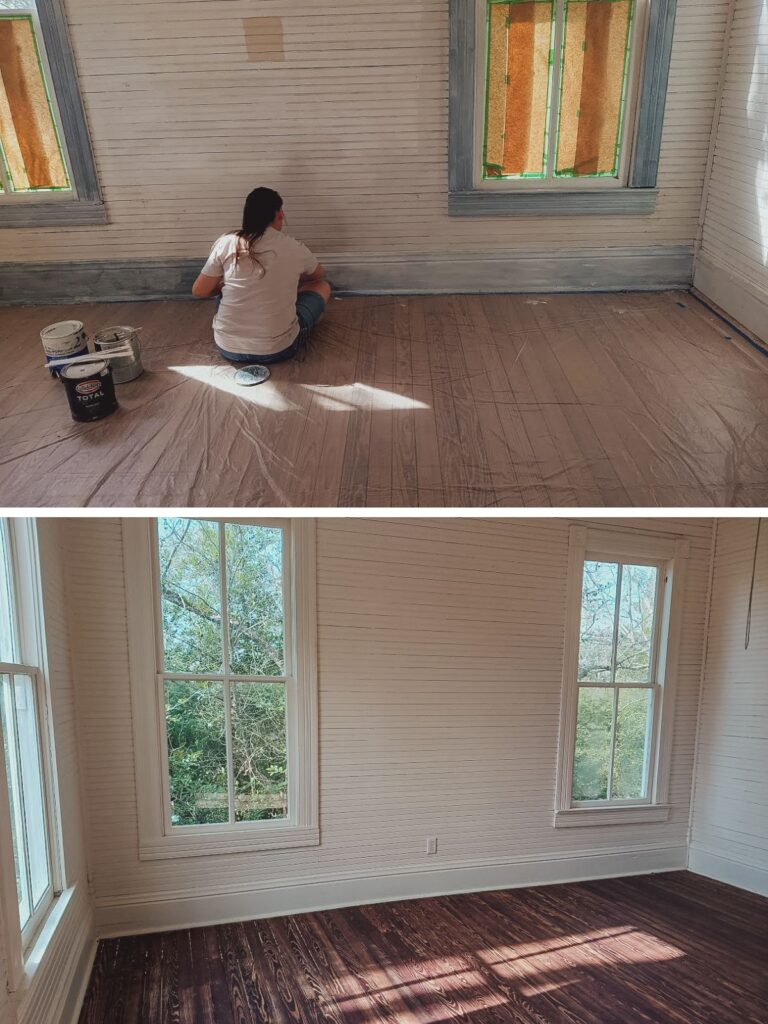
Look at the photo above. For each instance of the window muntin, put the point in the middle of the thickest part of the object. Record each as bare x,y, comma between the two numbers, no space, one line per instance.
617,681
224,602
33,161
22,704
560,83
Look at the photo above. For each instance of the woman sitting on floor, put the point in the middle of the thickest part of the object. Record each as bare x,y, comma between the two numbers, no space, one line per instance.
273,290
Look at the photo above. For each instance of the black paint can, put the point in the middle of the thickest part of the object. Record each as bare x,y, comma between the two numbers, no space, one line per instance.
90,390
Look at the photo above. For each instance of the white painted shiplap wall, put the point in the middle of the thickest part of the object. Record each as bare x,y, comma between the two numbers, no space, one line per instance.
729,838
440,659
352,127
733,263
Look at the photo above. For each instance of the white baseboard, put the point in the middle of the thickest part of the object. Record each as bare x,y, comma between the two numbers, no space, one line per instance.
746,303
147,914
752,877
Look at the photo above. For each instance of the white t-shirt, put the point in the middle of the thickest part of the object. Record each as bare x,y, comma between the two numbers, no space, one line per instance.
257,313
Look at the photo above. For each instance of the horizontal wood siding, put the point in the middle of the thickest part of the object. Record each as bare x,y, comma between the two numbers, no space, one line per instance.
730,815
440,660
352,126
736,223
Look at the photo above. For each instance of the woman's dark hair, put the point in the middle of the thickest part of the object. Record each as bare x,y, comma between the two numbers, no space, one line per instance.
261,208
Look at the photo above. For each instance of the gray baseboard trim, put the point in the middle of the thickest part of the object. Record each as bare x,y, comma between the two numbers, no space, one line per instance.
739,299
576,270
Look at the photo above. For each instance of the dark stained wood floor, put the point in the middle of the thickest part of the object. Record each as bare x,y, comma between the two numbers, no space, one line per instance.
493,401
663,949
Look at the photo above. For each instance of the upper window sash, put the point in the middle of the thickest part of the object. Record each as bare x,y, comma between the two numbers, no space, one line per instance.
639,195
630,547
157,838
82,203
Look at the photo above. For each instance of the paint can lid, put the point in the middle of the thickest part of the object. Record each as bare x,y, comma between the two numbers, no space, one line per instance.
80,371
113,335
63,329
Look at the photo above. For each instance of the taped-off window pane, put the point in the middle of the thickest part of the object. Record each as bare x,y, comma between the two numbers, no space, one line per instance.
594,67
556,88
519,83
31,150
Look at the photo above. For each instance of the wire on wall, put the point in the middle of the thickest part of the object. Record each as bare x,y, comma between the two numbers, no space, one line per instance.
748,631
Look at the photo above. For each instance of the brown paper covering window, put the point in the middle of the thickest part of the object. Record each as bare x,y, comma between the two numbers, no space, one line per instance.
27,132
595,50
518,85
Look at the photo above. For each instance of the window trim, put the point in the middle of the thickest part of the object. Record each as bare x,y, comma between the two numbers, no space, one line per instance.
156,839
22,946
85,205
673,552
639,197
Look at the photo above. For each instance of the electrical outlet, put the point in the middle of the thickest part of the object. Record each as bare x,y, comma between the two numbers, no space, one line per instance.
432,845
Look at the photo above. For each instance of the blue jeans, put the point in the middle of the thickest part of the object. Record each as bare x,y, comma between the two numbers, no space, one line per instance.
309,308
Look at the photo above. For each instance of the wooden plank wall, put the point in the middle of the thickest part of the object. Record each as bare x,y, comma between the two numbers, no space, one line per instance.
733,266
440,660
730,816
351,125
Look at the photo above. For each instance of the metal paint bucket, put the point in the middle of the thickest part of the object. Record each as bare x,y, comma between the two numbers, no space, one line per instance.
90,390
63,341
124,368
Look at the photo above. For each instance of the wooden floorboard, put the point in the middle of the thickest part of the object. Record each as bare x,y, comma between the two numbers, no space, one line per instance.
489,401
658,949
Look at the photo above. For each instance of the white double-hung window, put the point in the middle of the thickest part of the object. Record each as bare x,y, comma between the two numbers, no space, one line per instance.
625,591
26,838
222,641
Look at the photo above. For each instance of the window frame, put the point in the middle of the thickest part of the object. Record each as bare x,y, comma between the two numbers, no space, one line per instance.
630,547
159,839
638,39
84,203
467,197
22,548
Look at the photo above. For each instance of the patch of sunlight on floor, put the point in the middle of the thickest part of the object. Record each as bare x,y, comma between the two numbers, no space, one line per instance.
362,396
535,963
265,395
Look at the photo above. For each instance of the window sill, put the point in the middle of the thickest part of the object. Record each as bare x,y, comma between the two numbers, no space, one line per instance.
576,817
66,212
234,841
479,203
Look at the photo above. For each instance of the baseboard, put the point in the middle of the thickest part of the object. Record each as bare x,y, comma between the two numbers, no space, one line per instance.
752,877
620,269
146,914
745,302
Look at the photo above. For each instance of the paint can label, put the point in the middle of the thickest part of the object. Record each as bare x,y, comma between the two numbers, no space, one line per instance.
64,340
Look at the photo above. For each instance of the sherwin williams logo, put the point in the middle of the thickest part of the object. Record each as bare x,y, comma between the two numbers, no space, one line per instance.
88,387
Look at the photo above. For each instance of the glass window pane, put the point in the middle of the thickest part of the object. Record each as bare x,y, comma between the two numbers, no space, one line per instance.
197,752
30,765
518,88
633,730
634,648
8,652
259,751
594,70
591,765
28,135
190,595
255,599
598,612
13,774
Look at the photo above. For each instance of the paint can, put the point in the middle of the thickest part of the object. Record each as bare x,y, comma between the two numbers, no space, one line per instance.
63,341
124,368
90,390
